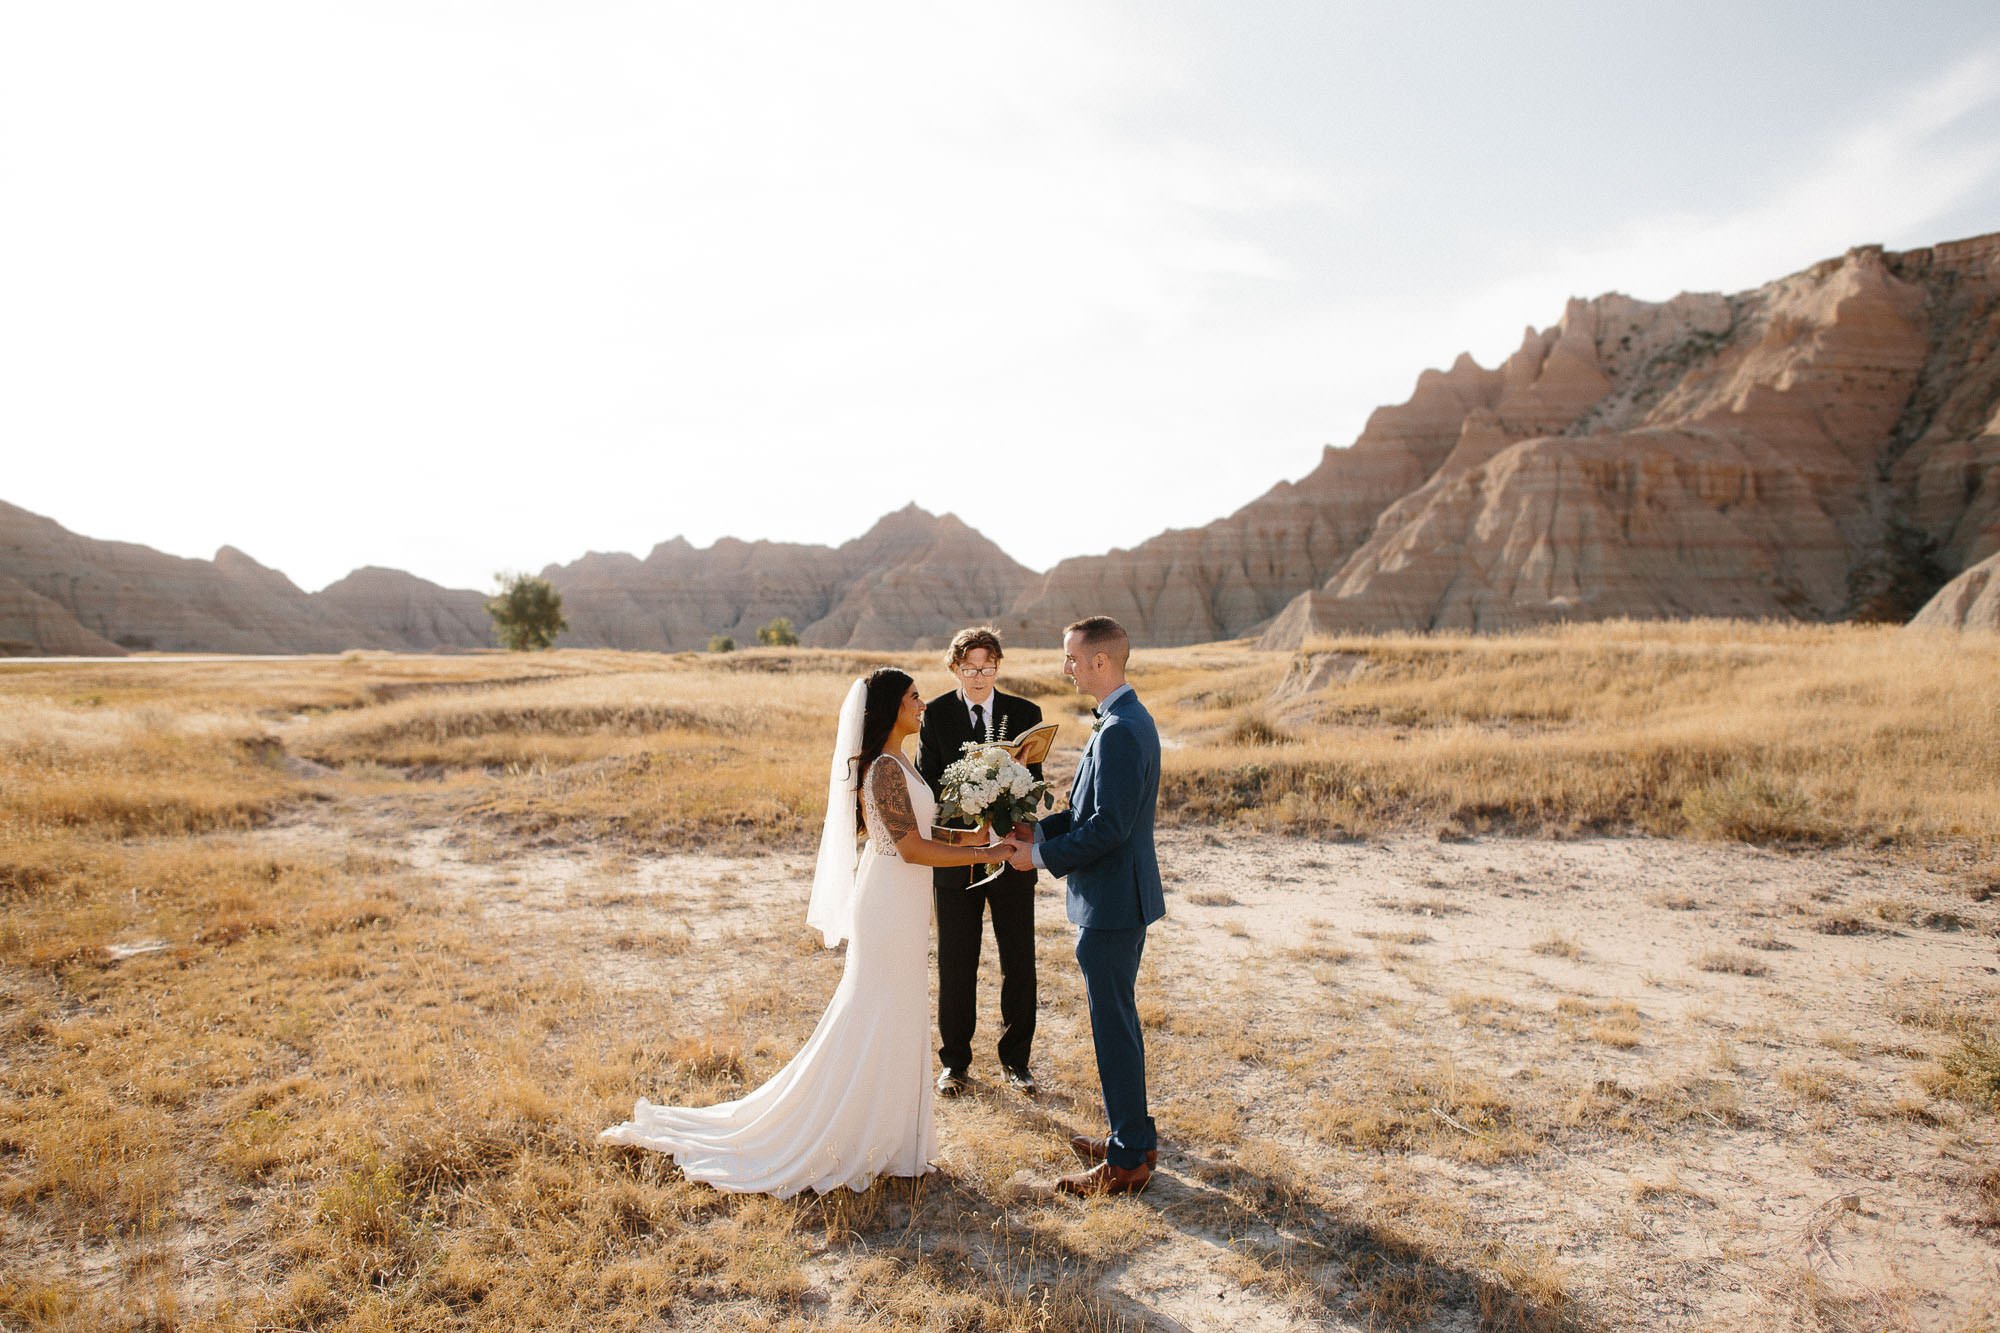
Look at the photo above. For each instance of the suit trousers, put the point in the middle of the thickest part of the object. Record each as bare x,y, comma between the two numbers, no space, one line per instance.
961,928
1110,963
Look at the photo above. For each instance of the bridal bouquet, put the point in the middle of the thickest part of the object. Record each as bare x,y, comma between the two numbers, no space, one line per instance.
988,785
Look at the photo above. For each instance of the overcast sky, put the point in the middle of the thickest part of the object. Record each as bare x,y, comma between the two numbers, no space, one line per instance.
453,287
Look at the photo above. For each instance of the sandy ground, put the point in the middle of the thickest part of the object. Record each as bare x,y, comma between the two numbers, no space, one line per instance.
1807,1182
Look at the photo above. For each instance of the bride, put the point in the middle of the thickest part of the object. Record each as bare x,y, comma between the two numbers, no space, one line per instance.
855,1102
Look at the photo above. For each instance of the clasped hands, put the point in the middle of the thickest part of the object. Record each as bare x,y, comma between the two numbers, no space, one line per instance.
1016,849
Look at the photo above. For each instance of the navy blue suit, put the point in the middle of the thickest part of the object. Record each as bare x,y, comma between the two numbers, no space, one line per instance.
1103,846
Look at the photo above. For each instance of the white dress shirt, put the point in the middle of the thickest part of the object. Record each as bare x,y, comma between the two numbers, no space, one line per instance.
986,704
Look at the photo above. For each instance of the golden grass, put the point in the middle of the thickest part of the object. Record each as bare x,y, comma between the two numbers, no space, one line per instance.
407,1115
1556,944
1763,734
1614,1023
1968,1068
1731,961
258,1080
304,1063
686,751
132,773
1436,1105
1710,729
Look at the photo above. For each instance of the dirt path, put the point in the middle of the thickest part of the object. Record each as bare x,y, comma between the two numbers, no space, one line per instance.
1609,968
1668,1085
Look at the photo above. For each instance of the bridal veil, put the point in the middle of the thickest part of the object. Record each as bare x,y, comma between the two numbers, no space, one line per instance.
831,909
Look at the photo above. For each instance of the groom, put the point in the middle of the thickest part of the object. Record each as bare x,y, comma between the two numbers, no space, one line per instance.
1103,845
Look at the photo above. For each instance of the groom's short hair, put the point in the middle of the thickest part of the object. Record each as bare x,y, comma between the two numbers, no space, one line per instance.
1105,635
971,637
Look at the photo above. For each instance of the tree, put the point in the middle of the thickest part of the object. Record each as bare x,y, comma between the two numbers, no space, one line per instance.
778,634
721,643
527,612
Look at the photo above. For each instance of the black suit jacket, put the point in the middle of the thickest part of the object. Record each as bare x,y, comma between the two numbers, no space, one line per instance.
947,726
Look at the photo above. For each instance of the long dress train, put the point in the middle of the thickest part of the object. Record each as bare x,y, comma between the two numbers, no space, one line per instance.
855,1102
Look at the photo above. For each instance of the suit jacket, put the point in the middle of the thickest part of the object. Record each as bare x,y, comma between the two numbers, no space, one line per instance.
1103,843
947,726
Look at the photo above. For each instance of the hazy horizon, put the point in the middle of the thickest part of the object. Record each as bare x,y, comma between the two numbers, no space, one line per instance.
484,289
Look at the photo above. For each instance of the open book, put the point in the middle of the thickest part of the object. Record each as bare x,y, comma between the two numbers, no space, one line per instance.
1033,745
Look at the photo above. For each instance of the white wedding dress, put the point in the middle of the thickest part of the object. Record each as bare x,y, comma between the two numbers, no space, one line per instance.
855,1102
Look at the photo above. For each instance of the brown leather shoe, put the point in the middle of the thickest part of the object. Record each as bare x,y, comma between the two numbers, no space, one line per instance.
1093,1150
1105,1178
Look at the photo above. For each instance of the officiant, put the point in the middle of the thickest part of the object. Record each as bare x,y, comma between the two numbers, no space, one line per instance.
977,710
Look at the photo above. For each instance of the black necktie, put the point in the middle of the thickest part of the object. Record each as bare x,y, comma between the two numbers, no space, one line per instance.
978,720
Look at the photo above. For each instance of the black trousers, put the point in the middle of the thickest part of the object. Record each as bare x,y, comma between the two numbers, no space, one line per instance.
961,926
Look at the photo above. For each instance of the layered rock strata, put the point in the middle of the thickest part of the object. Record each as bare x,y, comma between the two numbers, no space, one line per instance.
1229,578
33,626
403,611
1822,448
139,599
1943,458
1825,447
1969,602
913,579
61,593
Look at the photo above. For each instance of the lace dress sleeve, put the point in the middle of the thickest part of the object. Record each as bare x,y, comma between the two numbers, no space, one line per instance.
887,802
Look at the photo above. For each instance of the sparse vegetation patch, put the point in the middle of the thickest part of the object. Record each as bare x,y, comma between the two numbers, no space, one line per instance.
317,979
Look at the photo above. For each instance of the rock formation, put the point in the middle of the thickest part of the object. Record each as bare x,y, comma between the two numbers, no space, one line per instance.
1194,585
137,598
1970,601
1822,448
916,580
913,579
61,593
33,626
910,581
1944,455
403,611
1825,447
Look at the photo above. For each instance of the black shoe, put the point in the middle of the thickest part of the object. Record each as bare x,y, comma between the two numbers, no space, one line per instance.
951,1082
1020,1080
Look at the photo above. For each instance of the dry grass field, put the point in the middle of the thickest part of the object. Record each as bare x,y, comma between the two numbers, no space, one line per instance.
1620,977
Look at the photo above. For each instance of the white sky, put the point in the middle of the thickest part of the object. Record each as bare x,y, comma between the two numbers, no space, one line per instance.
454,287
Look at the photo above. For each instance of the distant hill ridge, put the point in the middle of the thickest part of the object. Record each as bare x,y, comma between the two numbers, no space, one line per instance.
913,579
1825,447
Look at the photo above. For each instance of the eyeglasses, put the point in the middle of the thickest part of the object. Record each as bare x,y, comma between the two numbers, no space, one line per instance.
970,672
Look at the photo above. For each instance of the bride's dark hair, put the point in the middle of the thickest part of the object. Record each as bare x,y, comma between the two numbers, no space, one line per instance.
881,703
